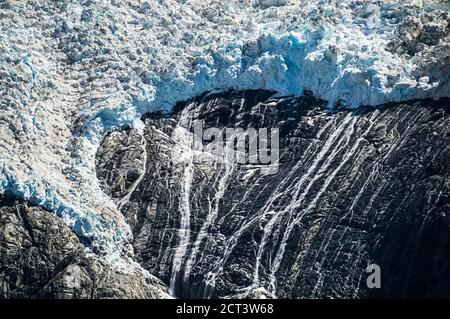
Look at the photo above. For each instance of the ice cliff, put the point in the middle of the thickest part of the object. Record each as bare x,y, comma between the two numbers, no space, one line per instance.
70,71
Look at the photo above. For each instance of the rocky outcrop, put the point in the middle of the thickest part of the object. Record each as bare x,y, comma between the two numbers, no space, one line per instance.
72,71
41,257
353,188
122,162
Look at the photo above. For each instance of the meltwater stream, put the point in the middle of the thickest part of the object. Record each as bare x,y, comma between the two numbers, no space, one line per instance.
113,62
183,153
353,188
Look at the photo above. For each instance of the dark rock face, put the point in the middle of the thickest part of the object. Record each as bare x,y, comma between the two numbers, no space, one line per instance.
124,150
353,189
41,257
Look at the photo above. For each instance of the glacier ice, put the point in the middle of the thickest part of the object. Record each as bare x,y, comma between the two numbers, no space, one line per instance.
71,71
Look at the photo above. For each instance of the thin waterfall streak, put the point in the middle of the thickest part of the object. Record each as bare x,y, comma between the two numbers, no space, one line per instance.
126,199
296,204
183,139
298,187
373,173
347,156
211,217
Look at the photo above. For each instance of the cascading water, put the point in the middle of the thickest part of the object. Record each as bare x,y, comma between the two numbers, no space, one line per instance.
233,231
240,232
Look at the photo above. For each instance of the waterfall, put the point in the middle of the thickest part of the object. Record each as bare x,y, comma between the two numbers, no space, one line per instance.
183,152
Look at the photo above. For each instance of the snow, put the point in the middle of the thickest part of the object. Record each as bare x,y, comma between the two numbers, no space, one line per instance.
71,72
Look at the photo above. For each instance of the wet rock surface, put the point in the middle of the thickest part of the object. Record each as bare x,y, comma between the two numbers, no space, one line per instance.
71,71
354,188
124,151
41,257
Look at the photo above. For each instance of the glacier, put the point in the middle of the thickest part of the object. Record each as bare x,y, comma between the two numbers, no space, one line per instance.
72,71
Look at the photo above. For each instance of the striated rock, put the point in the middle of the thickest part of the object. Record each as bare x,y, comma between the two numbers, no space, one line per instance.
41,257
354,188
125,151
73,71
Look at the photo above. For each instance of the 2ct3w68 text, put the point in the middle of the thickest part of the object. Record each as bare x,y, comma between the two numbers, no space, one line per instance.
226,308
